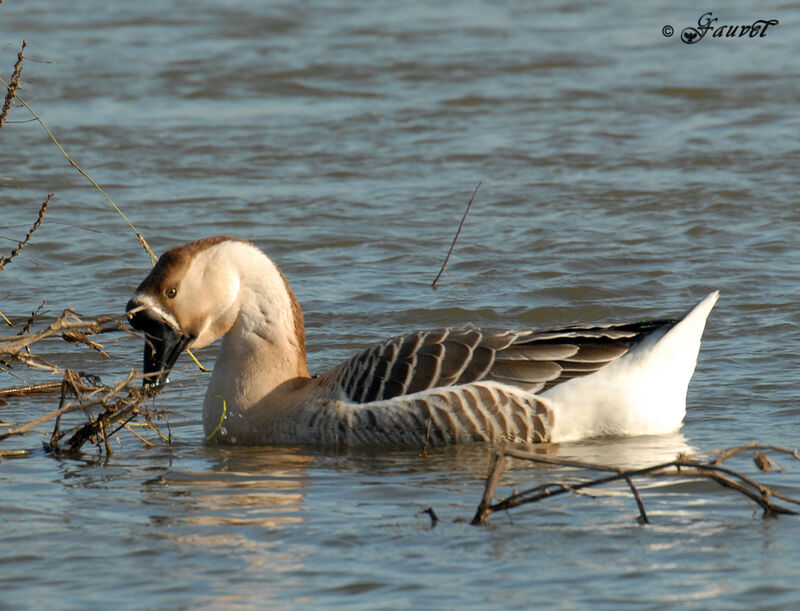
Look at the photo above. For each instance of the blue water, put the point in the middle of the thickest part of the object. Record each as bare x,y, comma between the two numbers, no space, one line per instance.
623,175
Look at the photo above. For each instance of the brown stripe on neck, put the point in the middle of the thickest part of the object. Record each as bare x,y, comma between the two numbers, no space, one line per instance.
297,312
299,327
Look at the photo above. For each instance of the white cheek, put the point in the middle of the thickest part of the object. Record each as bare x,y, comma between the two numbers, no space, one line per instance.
211,289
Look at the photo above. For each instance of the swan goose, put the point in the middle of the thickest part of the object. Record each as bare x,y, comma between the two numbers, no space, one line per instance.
443,385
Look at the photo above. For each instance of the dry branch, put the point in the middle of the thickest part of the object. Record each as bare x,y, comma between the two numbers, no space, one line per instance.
725,454
30,389
13,83
42,209
682,467
118,404
68,323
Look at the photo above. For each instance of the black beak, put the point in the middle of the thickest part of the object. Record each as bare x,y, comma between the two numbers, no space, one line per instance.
162,347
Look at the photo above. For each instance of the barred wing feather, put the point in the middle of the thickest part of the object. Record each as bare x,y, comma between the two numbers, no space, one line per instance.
531,360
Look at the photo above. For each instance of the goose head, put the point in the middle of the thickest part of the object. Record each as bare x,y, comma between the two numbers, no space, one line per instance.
198,292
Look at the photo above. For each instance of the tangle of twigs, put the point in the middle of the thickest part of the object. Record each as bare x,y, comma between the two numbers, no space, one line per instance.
116,405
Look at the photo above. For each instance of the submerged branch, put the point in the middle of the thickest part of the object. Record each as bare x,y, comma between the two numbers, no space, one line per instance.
682,467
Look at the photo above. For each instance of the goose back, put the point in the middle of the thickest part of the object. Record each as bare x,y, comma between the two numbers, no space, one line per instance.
531,360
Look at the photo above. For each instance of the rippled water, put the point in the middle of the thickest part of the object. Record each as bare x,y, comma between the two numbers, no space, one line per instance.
623,175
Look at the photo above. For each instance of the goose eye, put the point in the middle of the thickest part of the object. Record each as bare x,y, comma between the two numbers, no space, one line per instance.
171,292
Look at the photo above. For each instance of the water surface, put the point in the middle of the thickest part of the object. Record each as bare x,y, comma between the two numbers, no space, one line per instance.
623,175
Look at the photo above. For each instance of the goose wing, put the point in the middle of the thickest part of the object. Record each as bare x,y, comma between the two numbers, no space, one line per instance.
531,360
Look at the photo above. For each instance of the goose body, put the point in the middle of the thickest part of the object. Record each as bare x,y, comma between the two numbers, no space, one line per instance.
444,385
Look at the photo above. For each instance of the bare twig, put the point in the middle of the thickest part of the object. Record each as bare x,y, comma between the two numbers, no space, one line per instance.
30,389
642,513
424,453
458,232
83,173
431,514
67,321
495,470
57,434
764,462
29,323
6,260
102,425
725,454
34,315
13,84
130,429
